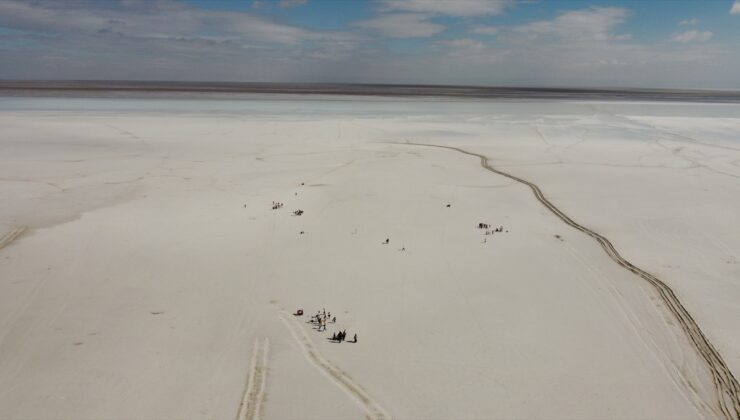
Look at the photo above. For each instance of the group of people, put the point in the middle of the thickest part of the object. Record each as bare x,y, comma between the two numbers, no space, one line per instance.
277,205
498,229
322,318
342,336
487,227
298,212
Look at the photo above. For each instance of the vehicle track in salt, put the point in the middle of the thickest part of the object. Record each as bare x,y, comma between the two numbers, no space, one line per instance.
371,407
726,385
251,404
11,236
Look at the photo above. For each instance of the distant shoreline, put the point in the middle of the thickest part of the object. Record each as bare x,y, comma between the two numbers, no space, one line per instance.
96,88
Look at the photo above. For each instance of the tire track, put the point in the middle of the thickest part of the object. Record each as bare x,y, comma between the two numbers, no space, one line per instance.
726,385
251,405
371,407
11,236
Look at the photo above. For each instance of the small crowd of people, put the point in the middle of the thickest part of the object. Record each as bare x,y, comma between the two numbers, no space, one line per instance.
491,232
321,319
277,205
298,212
342,336
487,227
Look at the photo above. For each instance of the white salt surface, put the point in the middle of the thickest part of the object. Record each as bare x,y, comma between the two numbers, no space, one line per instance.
151,261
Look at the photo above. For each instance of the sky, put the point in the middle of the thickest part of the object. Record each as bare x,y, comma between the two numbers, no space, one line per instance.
544,43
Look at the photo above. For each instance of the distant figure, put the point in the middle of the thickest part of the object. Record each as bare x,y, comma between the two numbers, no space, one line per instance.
403,248
448,206
334,320
387,240
356,334
334,337
302,232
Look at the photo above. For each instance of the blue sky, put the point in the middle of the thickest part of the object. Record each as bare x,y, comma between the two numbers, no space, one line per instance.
580,43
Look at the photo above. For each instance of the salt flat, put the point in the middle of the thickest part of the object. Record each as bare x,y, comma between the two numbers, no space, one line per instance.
146,275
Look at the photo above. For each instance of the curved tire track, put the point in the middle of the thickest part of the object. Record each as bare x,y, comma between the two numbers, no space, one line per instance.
728,389
371,407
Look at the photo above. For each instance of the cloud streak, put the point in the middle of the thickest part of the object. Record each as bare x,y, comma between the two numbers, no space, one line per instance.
592,24
462,8
162,19
291,3
692,36
403,25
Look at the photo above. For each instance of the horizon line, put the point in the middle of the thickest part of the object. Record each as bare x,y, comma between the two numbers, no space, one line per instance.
366,89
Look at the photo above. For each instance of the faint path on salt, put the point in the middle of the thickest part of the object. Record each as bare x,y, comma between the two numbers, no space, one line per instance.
251,405
11,236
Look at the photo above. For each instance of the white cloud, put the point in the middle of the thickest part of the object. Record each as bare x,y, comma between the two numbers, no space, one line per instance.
692,36
735,10
486,30
403,25
592,24
685,22
162,19
464,8
464,43
291,3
